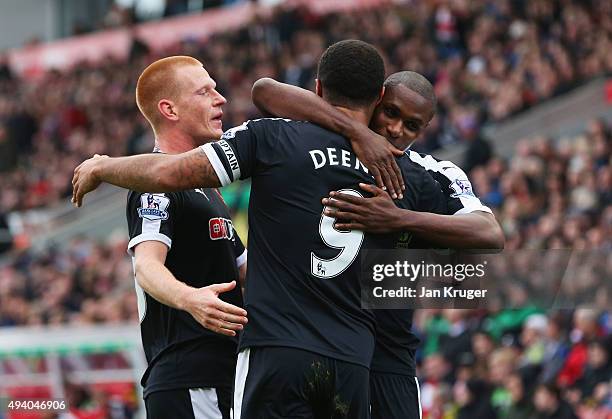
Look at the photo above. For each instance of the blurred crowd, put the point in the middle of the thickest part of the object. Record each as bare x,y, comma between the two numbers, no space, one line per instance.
551,194
487,60
530,363
515,364
81,282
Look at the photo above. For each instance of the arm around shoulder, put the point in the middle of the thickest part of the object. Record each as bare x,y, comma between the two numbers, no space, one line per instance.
147,172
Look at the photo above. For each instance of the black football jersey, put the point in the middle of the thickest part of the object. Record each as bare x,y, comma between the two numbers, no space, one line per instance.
204,249
303,279
395,342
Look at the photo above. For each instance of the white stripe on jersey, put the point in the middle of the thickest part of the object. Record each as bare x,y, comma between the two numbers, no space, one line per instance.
204,403
242,370
149,236
419,398
454,174
427,161
232,160
141,298
216,164
242,259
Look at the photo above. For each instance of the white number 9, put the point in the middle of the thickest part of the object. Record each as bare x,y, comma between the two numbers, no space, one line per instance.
349,243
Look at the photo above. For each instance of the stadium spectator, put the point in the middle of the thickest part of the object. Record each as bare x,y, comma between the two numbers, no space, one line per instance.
532,339
585,329
502,362
473,398
436,372
483,344
556,349
458,338
549,405
598,369
520,406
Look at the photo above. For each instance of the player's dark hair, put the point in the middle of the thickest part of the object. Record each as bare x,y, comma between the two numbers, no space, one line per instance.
415,82
351,73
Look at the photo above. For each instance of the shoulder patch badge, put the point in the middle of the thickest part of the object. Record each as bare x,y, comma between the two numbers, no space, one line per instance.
462,187
153,207
231,133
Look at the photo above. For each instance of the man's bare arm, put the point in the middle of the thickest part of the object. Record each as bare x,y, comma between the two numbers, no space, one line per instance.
203,303
284,100
476,230
147,172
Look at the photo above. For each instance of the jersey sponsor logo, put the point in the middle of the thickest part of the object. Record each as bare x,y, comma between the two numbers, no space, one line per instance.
201,192
461,187
221,228
231,133
153,207
404,240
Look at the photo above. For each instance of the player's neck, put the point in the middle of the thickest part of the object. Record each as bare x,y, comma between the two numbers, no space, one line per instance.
174,142
356,114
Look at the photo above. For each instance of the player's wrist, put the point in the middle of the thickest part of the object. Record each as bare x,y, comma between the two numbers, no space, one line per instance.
356,132
99,169
184,299
402,219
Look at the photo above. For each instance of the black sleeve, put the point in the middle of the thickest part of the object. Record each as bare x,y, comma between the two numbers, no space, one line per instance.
431,198
243,151
423,193
151,216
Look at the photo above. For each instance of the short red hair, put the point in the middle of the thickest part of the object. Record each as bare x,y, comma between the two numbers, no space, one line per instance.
158,81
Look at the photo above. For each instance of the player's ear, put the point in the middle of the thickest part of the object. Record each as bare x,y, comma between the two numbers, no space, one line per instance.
380,96
168,109
318,88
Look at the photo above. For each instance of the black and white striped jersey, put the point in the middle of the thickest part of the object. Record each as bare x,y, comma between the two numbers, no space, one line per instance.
203,249
303,287
454,182
395,342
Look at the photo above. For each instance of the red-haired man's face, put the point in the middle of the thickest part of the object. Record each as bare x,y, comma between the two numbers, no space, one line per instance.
199,105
